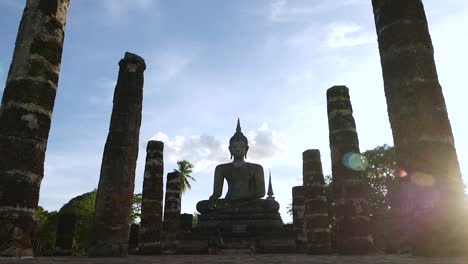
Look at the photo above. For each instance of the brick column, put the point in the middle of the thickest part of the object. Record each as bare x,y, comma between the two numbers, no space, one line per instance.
422,134
353,235
171,213
25,119
316,220
116,183
151,206
133,239
298,217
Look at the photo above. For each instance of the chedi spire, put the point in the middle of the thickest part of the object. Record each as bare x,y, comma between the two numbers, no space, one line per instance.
270,194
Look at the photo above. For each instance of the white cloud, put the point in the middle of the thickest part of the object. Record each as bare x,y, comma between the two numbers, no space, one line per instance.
169,64
122,12
348,35
265,143
304,38
306,76
277,9
206,151
104,92
122,7
285,10
336,35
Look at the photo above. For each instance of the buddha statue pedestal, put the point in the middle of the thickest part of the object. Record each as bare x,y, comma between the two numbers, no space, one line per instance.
256,215
245,224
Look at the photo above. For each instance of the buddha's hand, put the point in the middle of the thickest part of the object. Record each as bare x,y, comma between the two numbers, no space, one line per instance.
212,203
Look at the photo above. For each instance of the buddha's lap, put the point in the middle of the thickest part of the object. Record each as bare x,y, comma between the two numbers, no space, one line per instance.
257,205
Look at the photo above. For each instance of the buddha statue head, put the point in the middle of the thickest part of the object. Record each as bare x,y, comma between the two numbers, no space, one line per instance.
238,144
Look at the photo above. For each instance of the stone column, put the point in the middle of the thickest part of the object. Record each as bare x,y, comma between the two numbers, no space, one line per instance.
116,183
298,217
134,238
25,119
151,206
422,134
316,220
353,235
65,234
171,213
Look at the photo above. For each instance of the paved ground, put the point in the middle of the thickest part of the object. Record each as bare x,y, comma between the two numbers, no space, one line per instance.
244,259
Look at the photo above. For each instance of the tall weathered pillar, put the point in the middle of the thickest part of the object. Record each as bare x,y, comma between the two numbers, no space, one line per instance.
116,183
298,217
353,235
25,118
65,234
133,239
171,213
151,206
316,220
422,134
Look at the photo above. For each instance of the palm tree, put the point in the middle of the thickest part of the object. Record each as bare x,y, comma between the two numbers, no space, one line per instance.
185,169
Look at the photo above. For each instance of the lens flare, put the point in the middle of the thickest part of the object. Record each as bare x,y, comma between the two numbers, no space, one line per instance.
422,179
402,173
354,161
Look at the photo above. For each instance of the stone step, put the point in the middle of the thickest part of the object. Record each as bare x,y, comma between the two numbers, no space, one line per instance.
236,245
236,251
237,248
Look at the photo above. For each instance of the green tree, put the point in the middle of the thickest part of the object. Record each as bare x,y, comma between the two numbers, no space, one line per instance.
289,209
195,218
83,207
379,176
185,169
331,207
135,214
45,232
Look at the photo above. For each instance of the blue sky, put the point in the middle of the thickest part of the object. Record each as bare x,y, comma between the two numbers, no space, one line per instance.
268,62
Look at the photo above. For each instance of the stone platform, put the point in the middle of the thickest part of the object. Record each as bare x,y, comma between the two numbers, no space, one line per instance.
254,222
245,259
276,241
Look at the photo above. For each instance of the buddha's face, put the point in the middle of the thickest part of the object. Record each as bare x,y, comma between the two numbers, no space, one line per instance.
238,149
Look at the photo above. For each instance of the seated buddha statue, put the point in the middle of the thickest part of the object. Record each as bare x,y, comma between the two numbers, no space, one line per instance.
246,187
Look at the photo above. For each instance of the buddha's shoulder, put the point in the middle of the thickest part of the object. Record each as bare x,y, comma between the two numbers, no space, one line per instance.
254,165
230,165
224,166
